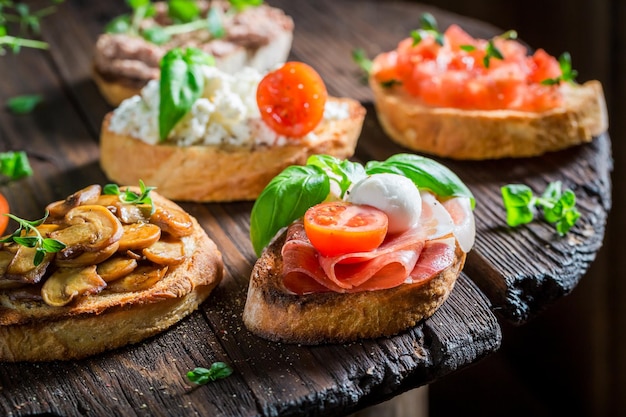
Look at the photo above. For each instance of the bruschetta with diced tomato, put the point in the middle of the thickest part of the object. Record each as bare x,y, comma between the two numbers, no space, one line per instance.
350,251
452,95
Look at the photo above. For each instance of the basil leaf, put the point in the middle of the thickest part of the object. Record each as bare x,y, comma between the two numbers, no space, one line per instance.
519,203
286,198
240,5
201,376
120,24
426,173
135,4
345,172
156,34
15,165
181,85
23,104
183,10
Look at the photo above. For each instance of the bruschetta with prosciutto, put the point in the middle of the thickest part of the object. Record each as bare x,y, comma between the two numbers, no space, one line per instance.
350,251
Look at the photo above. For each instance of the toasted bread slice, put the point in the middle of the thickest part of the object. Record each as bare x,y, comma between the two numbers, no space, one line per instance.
33,330
276,314
214,173
491,134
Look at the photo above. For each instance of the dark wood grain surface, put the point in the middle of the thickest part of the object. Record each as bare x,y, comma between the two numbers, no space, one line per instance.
511,274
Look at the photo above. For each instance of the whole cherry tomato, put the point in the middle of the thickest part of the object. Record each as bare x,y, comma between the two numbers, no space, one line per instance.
335,228
292,99
4,209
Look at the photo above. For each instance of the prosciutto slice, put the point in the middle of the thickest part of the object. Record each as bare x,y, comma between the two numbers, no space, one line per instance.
412,256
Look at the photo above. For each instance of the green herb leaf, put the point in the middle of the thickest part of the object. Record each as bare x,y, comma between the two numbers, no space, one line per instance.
520,204
120,24
360,58
342,172
15,165
27,235
183,10
286,198
129,196
558,208
155,34
181,85
568,74
23,104
241,5
428,27
201,376
214,24
425,173
27,21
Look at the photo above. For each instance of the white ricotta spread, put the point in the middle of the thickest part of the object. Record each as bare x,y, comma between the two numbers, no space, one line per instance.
225,114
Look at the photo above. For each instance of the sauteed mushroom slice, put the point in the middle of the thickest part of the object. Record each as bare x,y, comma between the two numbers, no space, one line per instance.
116,267
88,195
66,284
167,251
173,221
88,258
90,229
138,236
22,267
5,260
142,278
133,213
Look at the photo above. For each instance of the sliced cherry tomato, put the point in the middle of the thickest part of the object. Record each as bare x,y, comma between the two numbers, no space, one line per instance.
292,99
337,227
4,209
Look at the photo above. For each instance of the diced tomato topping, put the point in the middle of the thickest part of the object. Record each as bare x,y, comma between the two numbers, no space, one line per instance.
459,75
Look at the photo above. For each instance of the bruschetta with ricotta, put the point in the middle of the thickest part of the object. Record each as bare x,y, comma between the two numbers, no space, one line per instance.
452,95
356,251
238,132
103,269
237,34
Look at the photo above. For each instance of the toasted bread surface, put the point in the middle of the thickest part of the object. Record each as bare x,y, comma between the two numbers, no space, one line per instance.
274,313
214,173
491,134
31,330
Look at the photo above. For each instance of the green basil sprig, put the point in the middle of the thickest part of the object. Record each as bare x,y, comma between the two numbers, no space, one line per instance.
24,104
181,85
15,165
290,194
202,376
558,207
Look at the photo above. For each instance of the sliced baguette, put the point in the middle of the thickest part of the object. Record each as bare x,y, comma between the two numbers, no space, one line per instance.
491,134
274,313
31,330
212,173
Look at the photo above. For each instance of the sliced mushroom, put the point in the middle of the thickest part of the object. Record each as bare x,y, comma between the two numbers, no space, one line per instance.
88,195
116,267
166,252
65,284
133,213
22,267
173,221
90,229
88,258
138,236
142,278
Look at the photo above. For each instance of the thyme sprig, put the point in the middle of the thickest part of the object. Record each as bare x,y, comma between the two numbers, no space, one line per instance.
129,196
28,235
428,27
568,74
18,14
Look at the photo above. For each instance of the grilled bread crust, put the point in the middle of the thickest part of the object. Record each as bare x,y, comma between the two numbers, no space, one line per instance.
274,313
213,173
491,134
31,330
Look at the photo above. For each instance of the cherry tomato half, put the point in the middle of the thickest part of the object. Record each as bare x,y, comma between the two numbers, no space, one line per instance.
335,228
4,209
292,99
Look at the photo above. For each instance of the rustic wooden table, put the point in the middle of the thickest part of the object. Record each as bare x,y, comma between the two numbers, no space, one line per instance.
510,275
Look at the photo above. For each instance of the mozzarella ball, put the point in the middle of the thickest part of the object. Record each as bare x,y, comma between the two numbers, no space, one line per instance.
394,194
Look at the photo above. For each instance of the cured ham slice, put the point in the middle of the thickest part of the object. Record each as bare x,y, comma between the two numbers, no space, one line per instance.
411,257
